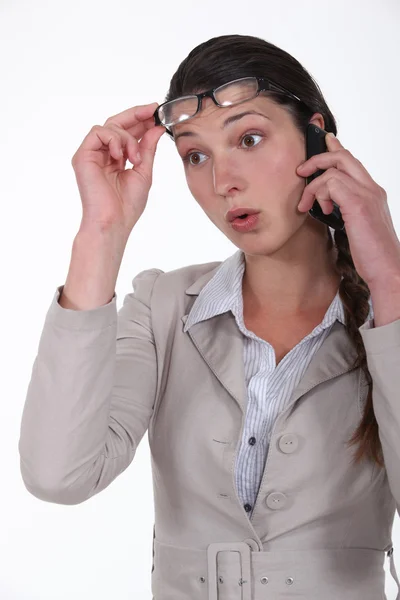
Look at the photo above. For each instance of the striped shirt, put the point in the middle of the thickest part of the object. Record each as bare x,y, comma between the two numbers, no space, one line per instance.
269,388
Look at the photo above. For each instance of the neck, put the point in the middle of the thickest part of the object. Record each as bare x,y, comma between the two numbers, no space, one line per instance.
291,285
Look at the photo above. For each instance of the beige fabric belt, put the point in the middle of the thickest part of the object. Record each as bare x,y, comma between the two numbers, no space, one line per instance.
236,571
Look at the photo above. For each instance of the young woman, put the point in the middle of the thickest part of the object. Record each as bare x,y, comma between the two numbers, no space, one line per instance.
268,383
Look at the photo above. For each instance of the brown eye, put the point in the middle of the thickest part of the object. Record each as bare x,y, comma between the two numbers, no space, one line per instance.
188,159
194,155
250,136
247,138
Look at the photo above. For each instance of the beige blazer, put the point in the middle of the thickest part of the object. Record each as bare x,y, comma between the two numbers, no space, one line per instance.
320,527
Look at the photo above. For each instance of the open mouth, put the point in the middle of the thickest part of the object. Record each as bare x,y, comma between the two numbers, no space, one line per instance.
242,216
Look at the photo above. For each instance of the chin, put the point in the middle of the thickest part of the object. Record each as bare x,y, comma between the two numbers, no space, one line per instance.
266,243
256,245
260,249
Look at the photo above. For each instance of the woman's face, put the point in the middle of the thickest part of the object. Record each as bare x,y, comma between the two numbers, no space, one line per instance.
251,163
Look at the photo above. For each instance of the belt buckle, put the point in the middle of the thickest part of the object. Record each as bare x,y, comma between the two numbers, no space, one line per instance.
245,552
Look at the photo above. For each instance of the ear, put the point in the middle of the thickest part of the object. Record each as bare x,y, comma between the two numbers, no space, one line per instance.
318,119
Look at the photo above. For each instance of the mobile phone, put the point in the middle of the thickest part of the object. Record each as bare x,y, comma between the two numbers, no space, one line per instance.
315,144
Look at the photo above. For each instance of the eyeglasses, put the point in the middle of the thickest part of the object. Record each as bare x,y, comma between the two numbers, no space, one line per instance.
234,92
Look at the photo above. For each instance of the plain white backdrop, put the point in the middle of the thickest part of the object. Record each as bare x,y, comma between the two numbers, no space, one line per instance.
66,66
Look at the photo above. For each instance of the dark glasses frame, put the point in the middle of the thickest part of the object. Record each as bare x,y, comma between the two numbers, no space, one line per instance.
264,84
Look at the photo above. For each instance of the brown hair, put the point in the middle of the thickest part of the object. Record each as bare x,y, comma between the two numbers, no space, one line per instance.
224,58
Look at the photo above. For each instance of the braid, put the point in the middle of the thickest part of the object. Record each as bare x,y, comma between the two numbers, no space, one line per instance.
354,294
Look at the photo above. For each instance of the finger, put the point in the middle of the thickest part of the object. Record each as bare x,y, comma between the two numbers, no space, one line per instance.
325,201
108,139
332,142
322,197
128,146
147,149
140,128
342,160
100,138
320,186
132,116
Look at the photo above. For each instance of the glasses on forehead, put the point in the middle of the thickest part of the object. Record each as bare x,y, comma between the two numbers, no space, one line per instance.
234,92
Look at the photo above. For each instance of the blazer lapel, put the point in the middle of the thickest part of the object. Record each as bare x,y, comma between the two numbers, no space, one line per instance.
335,357
220,343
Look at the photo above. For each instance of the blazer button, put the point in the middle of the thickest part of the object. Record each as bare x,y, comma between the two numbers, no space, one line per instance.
276,500
288,443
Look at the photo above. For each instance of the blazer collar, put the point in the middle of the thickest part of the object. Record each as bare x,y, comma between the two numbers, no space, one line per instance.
220,343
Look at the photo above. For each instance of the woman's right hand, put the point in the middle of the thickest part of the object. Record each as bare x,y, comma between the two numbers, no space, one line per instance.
114,197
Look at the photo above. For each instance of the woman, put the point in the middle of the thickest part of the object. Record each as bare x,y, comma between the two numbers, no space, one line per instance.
268,382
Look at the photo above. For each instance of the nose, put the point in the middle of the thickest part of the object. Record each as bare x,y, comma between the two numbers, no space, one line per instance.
226,176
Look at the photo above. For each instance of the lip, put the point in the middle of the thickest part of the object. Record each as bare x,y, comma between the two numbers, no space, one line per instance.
237,212
245,225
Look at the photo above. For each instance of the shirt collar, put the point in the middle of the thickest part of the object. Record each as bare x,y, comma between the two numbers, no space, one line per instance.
223,292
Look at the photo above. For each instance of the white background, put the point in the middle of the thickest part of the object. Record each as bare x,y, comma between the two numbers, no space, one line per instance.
66,66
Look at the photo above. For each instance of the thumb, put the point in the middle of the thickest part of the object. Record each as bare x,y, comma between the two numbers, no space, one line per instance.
148,147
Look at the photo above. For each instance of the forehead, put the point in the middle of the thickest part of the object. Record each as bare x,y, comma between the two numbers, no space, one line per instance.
212,116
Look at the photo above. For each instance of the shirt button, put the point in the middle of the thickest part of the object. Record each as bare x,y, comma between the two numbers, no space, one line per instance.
247,507
252,441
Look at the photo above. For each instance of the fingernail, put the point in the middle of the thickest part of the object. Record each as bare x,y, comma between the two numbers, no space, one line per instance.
331,134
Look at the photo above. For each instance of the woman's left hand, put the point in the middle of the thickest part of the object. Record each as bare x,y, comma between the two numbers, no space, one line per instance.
374,245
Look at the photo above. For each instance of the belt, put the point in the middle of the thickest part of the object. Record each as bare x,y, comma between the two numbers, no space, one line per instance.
239,571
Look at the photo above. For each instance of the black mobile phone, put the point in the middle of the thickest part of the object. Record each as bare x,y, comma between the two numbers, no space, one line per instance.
315,144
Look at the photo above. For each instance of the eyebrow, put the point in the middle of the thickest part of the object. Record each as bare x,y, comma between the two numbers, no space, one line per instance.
227,122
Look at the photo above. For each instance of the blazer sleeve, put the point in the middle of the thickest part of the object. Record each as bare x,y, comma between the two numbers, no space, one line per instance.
90,396
382,346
